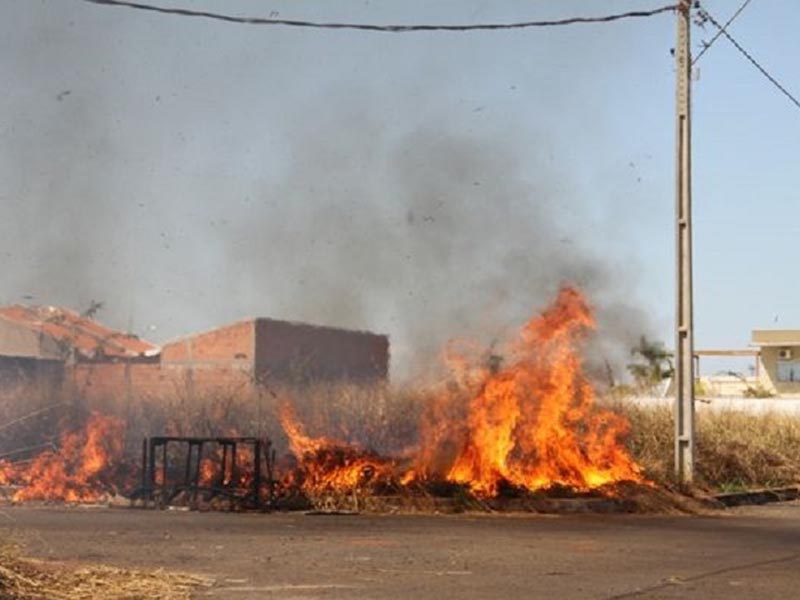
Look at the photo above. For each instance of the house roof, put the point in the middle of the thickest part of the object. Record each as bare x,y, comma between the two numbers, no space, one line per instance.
776,337
45,331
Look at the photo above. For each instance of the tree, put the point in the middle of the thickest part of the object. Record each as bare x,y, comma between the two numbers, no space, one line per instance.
652,363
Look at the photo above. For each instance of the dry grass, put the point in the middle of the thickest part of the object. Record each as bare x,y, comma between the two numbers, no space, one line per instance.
27,579
373,416
735,450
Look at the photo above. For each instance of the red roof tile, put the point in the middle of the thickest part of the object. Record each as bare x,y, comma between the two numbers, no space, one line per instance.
88,337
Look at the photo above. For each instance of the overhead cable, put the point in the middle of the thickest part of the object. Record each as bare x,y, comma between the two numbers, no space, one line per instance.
381,28
708,45
705,14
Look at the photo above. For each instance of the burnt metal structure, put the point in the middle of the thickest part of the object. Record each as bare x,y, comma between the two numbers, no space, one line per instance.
172,466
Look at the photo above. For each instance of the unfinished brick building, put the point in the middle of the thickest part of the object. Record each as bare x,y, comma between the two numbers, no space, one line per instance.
54,347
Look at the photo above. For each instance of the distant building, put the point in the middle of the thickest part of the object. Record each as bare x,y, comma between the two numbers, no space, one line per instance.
52,332
56,348
726,383
775,370
779,359
282,352
38,345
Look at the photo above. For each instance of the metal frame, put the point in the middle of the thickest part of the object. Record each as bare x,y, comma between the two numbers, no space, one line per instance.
257,495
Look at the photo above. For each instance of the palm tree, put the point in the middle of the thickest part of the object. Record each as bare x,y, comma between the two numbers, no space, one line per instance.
653,363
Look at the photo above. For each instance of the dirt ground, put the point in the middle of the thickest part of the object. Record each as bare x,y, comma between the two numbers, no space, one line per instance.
749,552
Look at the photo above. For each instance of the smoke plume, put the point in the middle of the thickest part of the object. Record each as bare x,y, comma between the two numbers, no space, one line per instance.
185,195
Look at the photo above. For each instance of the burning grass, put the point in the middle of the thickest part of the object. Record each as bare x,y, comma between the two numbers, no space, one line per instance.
519,422
28,579
508,429
515,426
89,464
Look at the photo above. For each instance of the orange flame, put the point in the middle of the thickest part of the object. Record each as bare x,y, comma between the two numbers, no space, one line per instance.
88,465
7,471
532,423
330,465
209,472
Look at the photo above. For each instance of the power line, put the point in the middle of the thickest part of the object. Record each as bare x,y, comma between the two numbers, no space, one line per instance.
719,33
705,14
382,28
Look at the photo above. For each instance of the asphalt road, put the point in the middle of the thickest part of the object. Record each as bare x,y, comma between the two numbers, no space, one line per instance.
747,553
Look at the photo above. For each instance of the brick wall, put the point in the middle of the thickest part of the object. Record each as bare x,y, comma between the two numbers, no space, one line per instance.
25,372
210,364
296,352
27,383
225,362
114,385
226,345
214,363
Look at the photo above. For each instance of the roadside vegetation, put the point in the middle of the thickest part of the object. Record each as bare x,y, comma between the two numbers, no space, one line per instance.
735,450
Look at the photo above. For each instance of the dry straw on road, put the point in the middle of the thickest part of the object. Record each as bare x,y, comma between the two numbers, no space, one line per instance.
27,579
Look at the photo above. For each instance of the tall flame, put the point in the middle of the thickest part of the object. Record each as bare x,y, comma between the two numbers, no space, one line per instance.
532,423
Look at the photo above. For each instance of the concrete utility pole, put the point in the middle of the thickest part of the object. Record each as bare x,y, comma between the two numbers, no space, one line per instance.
684,341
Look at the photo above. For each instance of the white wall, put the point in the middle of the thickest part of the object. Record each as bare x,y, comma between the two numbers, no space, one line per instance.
784,405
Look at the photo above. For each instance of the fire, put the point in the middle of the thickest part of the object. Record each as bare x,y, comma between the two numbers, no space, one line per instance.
6,472
214,474
88,465
532,424
328,465
524,419
209,472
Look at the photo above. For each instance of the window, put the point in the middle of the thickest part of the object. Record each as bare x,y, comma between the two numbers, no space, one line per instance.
789,370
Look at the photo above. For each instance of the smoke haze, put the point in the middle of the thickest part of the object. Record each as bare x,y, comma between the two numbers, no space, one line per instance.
189,174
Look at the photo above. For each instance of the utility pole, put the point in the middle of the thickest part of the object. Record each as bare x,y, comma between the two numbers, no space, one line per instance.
684,340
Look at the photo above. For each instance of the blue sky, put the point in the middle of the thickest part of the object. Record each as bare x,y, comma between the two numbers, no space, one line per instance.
745,188
190,173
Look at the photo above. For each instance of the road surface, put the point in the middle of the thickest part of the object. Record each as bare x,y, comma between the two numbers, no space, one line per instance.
749,552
